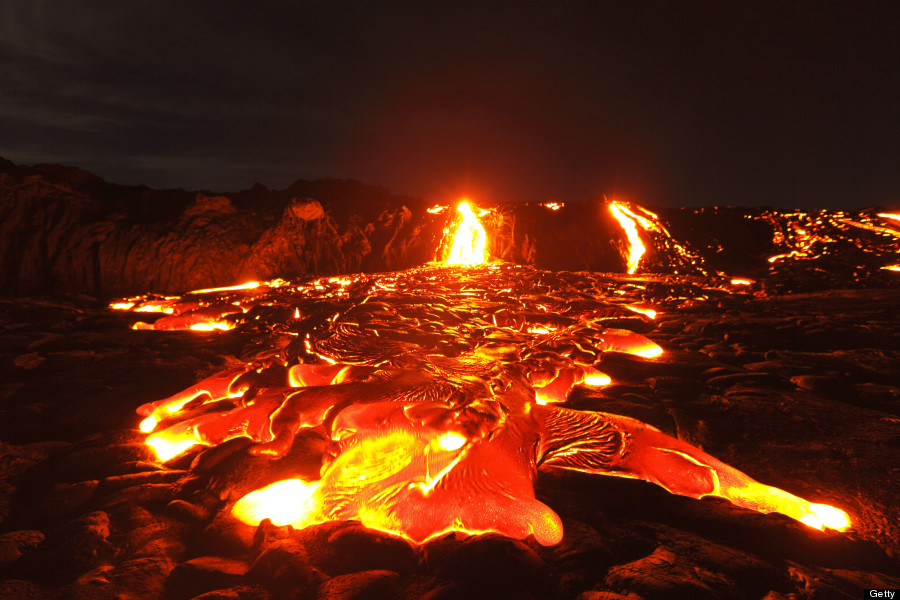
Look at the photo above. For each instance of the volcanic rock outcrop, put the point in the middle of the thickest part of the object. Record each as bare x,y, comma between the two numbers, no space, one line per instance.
65,230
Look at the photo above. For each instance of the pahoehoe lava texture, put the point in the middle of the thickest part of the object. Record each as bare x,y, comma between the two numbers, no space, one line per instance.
799,391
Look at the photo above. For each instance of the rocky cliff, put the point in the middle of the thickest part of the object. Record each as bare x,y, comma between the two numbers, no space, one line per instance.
65,230
62,229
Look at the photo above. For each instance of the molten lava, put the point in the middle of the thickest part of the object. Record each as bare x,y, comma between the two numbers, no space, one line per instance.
648,312
250,285
644,229
469,241
628,221
441,394
285,502
810,236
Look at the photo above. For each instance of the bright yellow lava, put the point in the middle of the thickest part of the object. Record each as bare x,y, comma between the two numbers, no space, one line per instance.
470,240
824,515
148,424
285,502
155,307
629,342
597,379
647,312
540,330
451,441
250,285
648,352
168,447
214,326
628,221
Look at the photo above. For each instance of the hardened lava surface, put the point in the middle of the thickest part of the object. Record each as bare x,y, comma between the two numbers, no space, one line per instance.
799,391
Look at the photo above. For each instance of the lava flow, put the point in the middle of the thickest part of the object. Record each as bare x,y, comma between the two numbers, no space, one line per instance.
629,222
440,392
808,236
469,240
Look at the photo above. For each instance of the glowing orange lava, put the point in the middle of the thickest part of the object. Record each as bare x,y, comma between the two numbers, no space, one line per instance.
438,408
648,312
198,310
212,326
802,236
540,329
285,502
469,241
629,342
250,285
628,221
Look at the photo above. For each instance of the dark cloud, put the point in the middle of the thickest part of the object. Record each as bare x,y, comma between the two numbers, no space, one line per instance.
668,103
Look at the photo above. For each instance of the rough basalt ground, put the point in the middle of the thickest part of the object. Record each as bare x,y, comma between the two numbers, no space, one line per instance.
800,391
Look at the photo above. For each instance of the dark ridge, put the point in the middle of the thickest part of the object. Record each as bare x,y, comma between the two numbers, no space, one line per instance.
63,229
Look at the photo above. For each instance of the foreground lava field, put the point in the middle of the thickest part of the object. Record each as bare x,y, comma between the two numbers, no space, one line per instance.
799,391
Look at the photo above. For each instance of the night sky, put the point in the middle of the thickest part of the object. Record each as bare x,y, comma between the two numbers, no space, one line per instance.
792,104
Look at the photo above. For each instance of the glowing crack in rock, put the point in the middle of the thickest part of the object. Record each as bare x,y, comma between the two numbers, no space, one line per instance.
441,394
